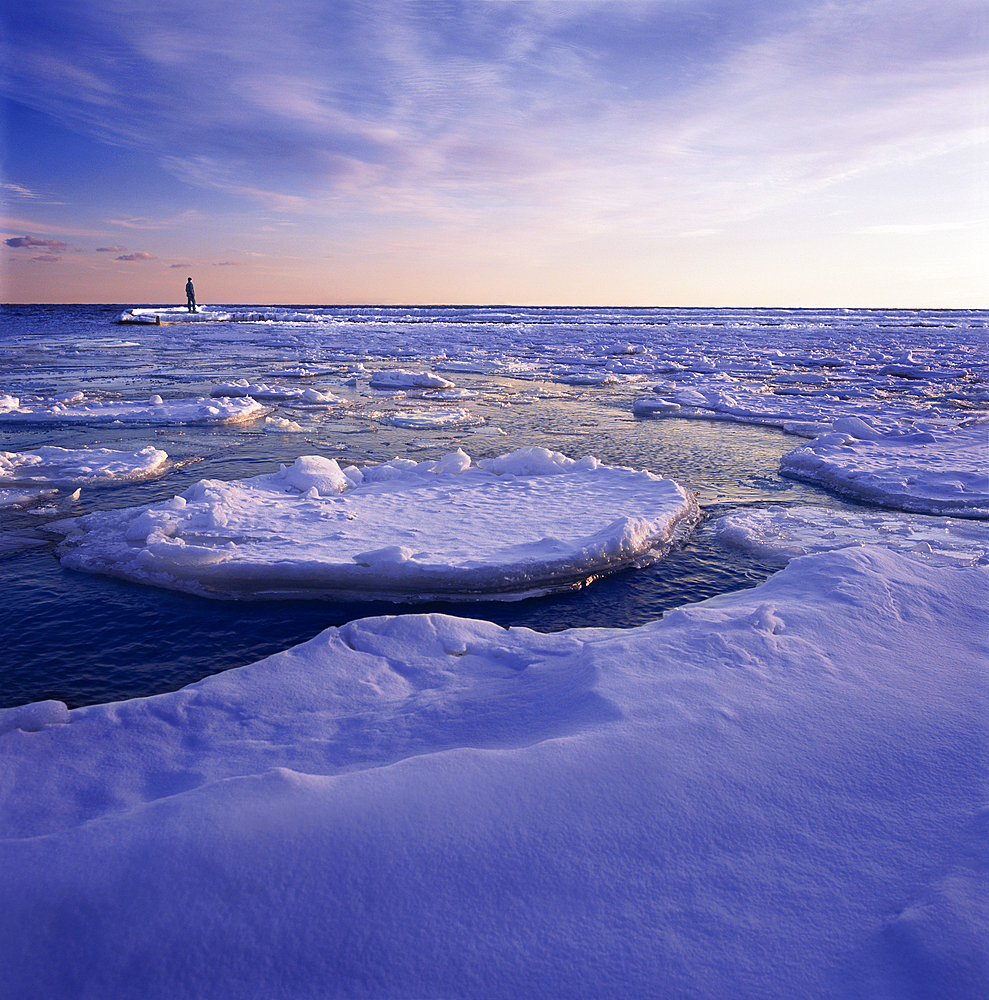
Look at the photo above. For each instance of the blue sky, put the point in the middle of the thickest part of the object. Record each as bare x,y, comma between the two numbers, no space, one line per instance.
682,152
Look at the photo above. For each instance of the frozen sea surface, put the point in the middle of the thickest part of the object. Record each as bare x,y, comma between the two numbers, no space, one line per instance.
363,385
752,766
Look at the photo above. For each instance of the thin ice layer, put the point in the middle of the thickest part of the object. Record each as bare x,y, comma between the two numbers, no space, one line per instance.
530,522
778,793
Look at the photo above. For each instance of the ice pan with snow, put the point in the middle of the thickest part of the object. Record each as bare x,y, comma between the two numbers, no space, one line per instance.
526,523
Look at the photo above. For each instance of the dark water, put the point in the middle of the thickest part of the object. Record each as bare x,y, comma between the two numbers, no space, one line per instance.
85,639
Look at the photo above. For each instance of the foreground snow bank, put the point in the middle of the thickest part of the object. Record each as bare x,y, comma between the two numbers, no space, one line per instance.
530,522
777,793
940,470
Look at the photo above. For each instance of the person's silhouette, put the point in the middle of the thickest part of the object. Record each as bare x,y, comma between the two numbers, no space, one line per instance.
190,294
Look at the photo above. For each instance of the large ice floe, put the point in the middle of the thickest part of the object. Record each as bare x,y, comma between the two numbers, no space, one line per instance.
930,468
772,794
529,522
77,407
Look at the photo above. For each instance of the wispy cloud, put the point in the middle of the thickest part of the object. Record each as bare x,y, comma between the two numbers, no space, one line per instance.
18,191
137,255
142,222
371,99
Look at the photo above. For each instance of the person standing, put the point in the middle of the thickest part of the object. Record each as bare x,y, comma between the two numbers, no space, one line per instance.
190,294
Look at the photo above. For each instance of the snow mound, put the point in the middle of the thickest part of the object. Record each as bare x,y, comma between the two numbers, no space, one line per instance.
527,523
940,470
50,464
773,794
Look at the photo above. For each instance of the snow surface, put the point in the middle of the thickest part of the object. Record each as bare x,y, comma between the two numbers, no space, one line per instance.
776,793
529,522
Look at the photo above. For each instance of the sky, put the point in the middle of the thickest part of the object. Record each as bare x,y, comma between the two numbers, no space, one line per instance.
804,153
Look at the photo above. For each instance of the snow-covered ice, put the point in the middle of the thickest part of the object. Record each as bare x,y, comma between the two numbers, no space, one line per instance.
781,533
529,522
777,793
930,469
54,465
78,407
399,378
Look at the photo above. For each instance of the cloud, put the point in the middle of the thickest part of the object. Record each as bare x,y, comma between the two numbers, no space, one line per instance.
33,241
677,114
137,255
18,191
47,258
227,263
142,222
110,249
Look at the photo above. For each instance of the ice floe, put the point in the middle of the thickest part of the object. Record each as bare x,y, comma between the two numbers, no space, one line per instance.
430,419
53,465
935,469
80,408
777,793
282,425
782,533
799,414
399,378
16,497
529,522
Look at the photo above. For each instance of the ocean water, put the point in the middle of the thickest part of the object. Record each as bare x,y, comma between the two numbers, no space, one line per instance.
564,379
